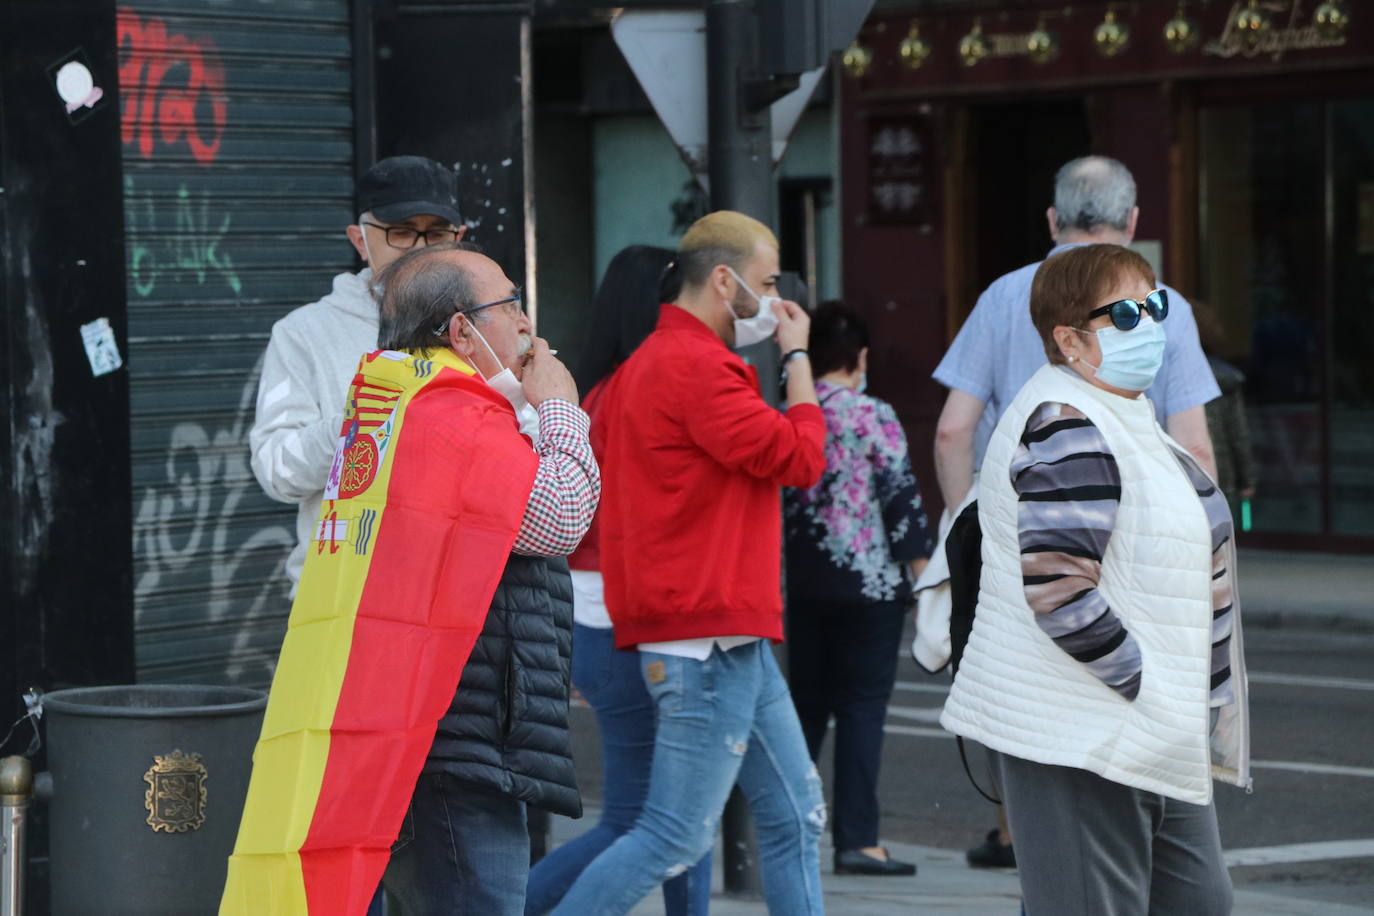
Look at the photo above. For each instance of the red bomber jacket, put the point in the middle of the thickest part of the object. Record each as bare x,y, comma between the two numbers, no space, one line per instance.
692,459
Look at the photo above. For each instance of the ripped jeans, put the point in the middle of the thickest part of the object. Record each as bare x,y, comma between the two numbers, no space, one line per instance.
724,718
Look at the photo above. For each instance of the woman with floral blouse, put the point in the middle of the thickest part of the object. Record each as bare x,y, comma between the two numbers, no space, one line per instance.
855,542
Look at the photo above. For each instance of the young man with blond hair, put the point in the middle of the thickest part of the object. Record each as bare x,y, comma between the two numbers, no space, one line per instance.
690,546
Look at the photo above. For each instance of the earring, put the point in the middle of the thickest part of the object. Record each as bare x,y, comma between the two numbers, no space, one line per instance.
1072,358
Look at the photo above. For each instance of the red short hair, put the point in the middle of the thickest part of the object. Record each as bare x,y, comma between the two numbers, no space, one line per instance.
1068,286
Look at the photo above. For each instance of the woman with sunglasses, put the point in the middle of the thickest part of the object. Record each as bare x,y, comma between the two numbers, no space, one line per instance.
1105,665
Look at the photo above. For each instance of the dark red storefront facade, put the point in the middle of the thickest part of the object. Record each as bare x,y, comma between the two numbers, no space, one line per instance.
1254,161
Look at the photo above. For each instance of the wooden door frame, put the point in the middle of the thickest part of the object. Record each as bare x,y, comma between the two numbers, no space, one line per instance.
960,225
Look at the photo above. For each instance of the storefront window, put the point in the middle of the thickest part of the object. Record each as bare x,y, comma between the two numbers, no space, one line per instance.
1287,220
1352,317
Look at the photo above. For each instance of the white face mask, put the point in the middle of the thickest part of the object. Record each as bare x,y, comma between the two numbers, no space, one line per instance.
1130,359
508,386
763,323
863,383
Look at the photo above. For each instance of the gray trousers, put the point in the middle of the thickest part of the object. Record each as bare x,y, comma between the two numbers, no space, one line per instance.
1087,846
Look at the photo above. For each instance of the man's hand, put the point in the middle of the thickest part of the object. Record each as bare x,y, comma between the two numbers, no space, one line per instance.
794,325
545,377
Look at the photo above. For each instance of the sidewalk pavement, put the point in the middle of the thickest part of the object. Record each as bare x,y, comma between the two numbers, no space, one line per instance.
1307,590
1278,589
943,884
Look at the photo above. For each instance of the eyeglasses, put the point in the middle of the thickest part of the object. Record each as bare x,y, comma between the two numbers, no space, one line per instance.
517,301
1126,312
405,237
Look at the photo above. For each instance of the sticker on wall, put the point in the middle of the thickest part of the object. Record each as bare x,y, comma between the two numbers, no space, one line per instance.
101,348
75,85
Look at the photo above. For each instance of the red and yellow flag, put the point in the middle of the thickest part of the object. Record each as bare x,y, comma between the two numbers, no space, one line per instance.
427,491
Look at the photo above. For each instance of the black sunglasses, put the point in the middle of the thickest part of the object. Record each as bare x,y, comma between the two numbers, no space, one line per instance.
442,329
1126,312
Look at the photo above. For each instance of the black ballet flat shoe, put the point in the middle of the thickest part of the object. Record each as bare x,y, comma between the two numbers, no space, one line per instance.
858,862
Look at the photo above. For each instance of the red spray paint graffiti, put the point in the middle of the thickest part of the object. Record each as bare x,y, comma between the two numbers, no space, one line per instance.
193,107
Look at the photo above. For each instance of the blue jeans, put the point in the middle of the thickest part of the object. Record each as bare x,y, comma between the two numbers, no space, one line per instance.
612,684
727,717
460,852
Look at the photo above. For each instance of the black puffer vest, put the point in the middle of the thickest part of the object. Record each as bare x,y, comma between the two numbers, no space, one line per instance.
507,728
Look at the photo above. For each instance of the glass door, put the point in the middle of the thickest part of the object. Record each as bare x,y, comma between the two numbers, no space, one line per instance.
1350,144
1287,266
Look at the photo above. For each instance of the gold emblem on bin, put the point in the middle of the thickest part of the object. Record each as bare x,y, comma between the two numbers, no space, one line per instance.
176,792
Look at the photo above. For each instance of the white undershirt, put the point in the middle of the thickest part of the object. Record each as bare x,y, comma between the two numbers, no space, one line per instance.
589,600
589,610
699,649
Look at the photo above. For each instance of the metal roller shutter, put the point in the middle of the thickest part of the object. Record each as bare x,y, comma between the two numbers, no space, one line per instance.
238,162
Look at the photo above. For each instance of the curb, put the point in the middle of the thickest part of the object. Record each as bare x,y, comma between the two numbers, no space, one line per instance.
1312,621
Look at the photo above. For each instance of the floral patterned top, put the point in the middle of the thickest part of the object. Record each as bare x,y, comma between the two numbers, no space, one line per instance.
850,536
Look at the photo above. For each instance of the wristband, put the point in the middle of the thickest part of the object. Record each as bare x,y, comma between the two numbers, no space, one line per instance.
793,354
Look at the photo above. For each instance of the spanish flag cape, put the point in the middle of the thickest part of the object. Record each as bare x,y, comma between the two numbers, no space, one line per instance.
429,485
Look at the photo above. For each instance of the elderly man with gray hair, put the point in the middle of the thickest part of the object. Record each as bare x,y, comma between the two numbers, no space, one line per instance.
997,351
503,744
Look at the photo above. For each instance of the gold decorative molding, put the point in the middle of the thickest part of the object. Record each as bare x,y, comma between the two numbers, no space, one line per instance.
1244,37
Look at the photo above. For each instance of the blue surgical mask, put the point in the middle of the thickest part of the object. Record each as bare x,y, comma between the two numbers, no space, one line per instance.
1130,359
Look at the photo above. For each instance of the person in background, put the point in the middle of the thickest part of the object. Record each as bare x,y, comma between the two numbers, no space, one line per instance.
405,202
1226,419
1105,669
624,312
855,542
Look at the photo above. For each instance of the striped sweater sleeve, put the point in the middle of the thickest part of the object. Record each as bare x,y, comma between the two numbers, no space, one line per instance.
1069,489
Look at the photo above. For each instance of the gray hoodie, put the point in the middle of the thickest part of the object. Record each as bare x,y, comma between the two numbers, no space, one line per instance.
309,364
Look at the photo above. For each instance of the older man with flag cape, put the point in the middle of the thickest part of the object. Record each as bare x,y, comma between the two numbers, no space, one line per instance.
435,493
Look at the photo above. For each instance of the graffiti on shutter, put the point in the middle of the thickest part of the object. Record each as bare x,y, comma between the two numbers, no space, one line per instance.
237,159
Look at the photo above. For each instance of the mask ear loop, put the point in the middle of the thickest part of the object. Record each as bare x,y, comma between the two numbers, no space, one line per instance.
1079,358
744,286
496,359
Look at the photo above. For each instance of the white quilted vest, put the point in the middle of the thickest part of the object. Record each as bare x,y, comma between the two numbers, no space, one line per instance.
1018,693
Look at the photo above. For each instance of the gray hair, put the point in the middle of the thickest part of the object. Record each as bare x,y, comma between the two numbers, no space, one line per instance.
420,291
1093,191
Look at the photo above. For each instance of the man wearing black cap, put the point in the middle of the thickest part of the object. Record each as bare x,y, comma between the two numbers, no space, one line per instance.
405,201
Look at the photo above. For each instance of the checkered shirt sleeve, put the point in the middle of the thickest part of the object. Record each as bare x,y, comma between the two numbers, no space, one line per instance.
567,486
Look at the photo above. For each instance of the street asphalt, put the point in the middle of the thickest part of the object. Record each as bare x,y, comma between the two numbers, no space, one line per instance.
1301,843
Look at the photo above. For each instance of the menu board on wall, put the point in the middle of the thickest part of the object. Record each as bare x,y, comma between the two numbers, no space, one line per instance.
899,180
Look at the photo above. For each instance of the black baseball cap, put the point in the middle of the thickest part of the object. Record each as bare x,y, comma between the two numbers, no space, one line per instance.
400,187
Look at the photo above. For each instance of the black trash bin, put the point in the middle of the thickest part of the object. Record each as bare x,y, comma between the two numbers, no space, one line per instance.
148,784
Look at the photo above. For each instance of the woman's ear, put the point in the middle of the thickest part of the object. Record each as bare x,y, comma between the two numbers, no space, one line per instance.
1069,344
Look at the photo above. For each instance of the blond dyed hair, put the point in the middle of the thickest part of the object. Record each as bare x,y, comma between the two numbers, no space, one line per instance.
723,237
